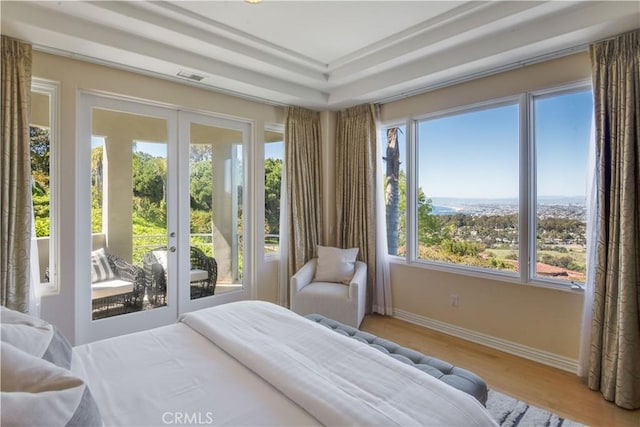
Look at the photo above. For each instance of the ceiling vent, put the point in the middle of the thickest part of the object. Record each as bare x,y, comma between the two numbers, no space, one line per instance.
189,76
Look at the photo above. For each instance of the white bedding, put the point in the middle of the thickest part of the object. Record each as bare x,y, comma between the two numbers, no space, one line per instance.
255,363
153,378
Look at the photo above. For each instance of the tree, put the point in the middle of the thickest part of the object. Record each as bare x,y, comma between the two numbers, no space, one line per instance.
39,151
200,152
431,228
201,185
392,192
272,185
96,188
149,174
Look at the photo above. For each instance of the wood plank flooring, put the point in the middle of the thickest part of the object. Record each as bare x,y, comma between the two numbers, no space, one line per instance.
540,385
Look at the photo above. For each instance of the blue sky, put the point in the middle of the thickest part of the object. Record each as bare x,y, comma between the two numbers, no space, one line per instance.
475,154
156,149
274,150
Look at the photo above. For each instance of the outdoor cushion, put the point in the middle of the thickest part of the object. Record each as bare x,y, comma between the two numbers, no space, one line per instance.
197,275
110,288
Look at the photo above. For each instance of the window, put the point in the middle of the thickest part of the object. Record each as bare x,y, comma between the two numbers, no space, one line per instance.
273,163
467,197
497,188
42,131
561,136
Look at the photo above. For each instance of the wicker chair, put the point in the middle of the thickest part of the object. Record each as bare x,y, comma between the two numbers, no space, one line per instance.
123,302
204,275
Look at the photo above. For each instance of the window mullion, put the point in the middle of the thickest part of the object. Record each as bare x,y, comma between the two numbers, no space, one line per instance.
527,190
411,191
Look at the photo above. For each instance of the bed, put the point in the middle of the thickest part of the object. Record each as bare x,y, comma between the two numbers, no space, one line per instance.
256,363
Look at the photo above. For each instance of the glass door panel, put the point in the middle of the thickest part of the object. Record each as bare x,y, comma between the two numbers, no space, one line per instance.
128,213
215,183
215,187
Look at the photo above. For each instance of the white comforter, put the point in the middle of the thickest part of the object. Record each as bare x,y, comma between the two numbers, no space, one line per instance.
337,380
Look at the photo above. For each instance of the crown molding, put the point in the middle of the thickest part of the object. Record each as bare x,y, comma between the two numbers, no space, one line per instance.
162,38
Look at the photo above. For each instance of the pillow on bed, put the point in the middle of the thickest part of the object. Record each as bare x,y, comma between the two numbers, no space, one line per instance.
335,265
35,392
100,267
35,336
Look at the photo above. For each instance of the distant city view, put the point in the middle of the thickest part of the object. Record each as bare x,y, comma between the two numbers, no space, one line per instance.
548,207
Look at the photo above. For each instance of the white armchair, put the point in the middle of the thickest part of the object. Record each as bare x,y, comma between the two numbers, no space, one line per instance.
344,303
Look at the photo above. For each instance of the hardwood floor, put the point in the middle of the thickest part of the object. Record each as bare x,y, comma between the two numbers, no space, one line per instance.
553,389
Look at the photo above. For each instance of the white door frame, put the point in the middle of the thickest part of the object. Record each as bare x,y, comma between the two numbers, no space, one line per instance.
87,328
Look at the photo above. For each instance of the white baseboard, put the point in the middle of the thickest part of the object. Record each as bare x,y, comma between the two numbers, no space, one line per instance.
540,356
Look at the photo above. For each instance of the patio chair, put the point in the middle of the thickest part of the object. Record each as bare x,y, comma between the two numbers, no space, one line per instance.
203,274
117,286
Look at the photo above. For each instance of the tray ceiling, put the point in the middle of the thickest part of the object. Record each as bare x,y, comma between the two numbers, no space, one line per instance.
318,54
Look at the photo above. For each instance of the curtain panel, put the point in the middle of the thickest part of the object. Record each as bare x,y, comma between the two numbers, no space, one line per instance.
15,176
358,170
615,333
303,167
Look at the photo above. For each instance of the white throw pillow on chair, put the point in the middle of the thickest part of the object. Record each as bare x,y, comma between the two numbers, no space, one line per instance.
161,257
335,265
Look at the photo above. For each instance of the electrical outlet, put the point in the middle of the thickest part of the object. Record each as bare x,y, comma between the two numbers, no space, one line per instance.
454,300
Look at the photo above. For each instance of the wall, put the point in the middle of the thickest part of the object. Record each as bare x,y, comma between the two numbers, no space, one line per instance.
545,319
76,75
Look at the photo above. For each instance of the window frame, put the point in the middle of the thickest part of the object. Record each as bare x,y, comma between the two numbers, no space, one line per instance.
526,275
567,89
52,90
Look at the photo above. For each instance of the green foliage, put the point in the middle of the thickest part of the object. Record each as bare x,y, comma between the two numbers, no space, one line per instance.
40,152
153,213
149,175
512,256
200,153
201,185
498,264
461,248
272,185
565,261
201,221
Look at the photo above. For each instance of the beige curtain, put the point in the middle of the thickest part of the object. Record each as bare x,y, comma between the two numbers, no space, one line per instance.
615,334
303,180
15,175
357,203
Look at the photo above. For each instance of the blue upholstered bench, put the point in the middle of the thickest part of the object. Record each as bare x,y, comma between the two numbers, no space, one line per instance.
457,377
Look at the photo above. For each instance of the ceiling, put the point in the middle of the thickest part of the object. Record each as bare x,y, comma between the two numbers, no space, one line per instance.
317,54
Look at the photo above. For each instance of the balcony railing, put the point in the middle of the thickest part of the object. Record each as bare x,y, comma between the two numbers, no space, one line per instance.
142,243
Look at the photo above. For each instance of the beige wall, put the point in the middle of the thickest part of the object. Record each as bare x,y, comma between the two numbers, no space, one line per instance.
40,109
75,75
537,317
328,120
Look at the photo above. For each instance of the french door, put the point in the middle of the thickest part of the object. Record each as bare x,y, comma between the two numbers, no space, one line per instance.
213,207
161,227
